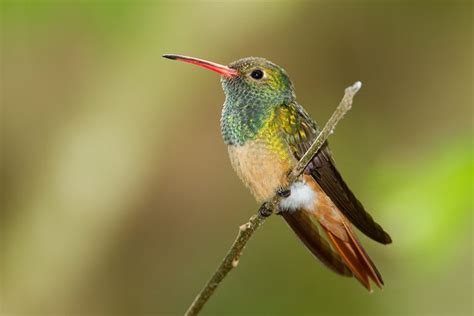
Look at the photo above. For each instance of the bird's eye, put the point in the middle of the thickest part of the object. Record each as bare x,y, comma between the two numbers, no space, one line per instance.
257,74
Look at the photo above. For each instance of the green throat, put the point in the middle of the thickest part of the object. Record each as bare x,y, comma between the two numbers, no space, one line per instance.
247,109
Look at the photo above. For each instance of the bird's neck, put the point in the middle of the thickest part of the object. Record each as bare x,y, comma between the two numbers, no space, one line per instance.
242,120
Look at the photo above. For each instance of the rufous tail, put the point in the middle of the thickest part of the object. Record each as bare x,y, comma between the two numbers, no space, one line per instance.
305,225
356,258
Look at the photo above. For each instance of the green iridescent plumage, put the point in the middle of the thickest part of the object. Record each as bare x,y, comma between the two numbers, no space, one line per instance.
264,109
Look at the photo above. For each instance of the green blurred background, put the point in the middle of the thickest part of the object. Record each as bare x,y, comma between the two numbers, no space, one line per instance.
117,196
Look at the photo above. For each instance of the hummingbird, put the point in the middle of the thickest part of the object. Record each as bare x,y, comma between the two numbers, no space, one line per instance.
267,131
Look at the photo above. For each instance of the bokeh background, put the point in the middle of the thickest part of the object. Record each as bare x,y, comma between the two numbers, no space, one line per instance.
117,196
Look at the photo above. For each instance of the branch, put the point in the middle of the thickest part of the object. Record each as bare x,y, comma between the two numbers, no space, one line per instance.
246,231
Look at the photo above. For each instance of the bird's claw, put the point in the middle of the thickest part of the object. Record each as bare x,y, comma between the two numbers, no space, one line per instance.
283,192
265,210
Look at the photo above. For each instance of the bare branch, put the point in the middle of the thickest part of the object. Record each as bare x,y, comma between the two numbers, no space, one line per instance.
246,231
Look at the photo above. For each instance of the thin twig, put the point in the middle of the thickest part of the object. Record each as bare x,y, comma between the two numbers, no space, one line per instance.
246,231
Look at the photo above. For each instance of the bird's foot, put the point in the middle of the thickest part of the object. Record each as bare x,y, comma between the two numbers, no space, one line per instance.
283,192
265,210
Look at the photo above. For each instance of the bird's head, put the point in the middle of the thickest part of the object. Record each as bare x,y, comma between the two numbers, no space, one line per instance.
250,80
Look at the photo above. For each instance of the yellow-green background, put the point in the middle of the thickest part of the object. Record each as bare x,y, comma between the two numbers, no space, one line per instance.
117,197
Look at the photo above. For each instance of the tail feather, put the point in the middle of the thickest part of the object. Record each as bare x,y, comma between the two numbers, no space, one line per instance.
352,261
356,258
304,224
374,274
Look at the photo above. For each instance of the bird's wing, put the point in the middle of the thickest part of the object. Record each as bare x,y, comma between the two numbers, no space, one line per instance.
300,131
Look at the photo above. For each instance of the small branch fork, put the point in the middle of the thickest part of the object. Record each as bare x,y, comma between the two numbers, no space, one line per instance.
246,231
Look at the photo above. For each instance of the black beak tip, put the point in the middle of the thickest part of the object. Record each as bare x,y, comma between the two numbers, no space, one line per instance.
170,56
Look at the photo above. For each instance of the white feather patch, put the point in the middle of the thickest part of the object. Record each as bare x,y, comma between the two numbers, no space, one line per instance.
302,196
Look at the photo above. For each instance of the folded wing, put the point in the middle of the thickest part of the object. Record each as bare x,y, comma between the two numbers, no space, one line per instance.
300,131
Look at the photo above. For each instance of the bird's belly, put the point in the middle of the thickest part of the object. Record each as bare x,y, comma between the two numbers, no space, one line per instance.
262,169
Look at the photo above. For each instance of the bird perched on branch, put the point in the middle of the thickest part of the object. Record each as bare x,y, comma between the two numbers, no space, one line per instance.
267,132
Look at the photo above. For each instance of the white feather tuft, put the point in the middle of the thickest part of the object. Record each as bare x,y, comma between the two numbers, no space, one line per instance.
302,196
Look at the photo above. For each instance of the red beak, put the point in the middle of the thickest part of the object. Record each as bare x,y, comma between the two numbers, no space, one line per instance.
223,70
